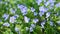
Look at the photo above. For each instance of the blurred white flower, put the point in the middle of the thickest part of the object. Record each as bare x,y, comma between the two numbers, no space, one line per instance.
5,16
6,24
32,9
35,20
12,19
26,19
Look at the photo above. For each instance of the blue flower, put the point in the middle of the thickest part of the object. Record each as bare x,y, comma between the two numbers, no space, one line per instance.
35,13
33,25
38,1
42,24
6,24
58,4
32,9
51,1
41,13
47,14
58,22
16,16
27,28
5,16
42,8
23,9
46,3
12,11
16,29
31,29
35,20
51,23
12,19
26,19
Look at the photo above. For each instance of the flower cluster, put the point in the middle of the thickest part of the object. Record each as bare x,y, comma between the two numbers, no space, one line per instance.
29,16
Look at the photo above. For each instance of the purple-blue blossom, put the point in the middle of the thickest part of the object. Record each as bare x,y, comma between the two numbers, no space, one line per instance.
35,20
51,23
32,9
23,9
51,1
12,10
16,29
42,24
41,13
33,25
16,16
38,1
27,28
58,4
47,14
42,8
12,19
35,13
58,22
5,16
46,3
26,19
31,29
6,24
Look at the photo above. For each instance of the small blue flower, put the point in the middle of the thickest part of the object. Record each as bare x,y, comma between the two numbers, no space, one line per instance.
16,29
51,23
6,24
58,4
16,16
35,20
12,19
31,29
58,22
51,1
33,25
5,16
42,24
32,9
12,11
23,9
47,14
26,19
38,1
46,3
41,13
42,8
35,13
27,28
